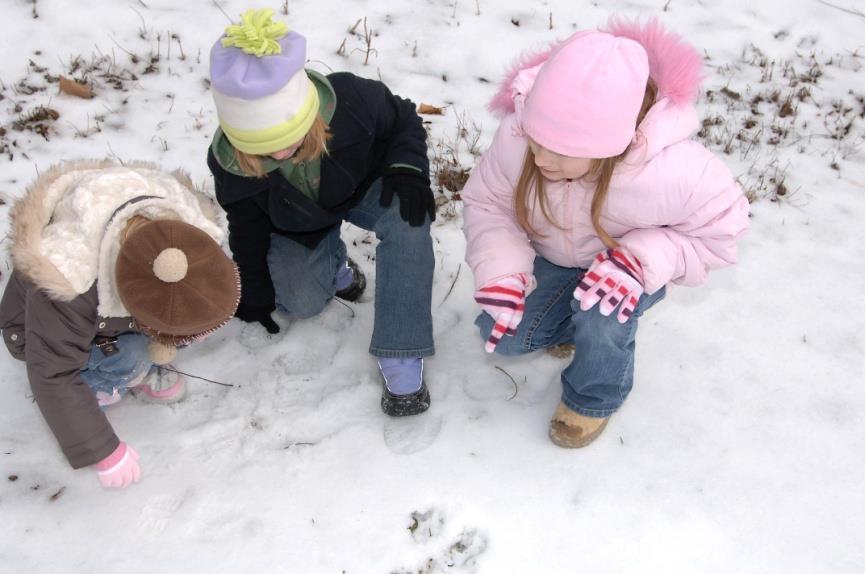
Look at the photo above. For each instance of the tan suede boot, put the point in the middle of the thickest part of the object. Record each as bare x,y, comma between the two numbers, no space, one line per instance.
563,351
573,430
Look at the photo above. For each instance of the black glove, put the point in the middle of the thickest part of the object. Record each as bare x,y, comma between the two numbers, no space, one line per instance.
256,314
416,199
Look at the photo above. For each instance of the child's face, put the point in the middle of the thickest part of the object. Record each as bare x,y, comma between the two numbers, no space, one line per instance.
287,152
556,167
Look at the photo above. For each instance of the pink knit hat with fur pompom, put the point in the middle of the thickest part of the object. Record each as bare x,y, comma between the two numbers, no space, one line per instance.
587,96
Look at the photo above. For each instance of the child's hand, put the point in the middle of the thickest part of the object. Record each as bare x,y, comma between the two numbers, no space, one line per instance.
120,468
505,301
255,314
412,186
614,277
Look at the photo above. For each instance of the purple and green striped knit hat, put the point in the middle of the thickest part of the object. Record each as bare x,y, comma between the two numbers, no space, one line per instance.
264,99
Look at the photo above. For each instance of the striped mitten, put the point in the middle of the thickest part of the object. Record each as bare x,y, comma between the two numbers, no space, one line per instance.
505,301
614,277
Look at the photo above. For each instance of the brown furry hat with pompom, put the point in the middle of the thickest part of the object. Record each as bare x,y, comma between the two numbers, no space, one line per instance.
177,283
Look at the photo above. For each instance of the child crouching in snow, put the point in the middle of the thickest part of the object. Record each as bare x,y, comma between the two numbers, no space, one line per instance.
114,267
590,200
297,153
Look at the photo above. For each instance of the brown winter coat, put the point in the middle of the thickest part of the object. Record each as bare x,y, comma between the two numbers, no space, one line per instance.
55,341
51,326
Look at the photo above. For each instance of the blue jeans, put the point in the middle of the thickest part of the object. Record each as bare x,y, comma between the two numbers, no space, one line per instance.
601,374
114,372
305,279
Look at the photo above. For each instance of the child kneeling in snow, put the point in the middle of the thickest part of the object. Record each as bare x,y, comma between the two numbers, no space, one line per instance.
590,200
298,153
114,267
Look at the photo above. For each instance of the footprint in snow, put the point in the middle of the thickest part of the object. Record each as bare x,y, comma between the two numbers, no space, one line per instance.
253,336
158,511
460,555
408,435
464,551
426,526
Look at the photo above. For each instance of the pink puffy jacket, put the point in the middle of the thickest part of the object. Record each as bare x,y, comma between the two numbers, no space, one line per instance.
672,203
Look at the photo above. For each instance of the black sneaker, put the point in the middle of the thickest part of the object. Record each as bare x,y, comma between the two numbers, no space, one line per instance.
358,283
405,405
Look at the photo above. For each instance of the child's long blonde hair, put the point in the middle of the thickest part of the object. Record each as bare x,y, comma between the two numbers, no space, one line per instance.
600,172
313,147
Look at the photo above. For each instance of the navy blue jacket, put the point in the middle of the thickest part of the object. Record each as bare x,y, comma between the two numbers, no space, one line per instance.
372,129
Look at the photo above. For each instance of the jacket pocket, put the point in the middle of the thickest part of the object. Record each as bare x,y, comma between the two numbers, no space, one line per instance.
293,212
14,339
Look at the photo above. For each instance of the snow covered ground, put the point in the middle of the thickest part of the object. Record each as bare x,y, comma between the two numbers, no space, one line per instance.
739,450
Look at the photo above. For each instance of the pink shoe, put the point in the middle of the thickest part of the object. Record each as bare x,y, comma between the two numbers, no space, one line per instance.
162,387
105,400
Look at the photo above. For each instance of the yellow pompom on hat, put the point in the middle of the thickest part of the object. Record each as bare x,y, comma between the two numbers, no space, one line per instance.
264,98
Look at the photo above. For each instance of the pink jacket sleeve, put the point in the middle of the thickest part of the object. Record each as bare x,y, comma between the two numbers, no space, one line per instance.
706,222
496,245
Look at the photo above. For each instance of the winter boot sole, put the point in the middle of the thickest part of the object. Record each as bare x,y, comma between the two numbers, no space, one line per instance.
573,430
405,405
171,395
358,284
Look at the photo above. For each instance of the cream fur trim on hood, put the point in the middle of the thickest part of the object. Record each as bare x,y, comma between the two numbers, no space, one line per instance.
66,229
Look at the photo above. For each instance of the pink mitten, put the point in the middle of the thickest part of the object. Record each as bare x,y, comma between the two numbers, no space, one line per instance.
614,277
120,468
505,301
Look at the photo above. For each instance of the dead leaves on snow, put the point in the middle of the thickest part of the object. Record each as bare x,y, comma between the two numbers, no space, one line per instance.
74,88
430,110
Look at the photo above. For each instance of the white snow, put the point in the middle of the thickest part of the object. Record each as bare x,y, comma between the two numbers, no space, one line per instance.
739,450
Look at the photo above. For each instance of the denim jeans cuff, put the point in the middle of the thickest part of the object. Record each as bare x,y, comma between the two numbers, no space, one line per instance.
402,353
594,413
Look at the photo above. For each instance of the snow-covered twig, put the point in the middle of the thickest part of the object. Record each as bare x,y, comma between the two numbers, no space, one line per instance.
453,284
197,377
848,10
516,387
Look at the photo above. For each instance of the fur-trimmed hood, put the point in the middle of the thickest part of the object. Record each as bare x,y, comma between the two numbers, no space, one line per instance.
675,67
66,229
